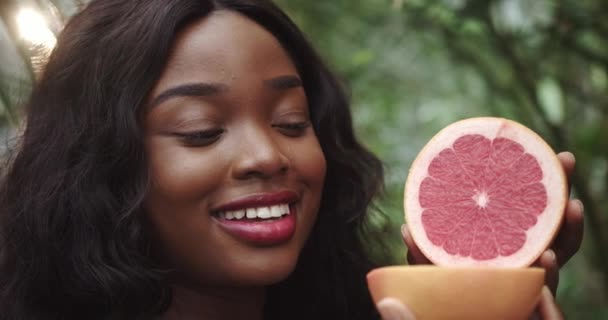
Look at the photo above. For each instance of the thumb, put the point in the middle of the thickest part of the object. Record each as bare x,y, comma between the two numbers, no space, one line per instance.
393,309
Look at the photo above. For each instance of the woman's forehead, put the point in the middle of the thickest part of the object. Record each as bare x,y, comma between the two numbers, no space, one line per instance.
225,55
225,42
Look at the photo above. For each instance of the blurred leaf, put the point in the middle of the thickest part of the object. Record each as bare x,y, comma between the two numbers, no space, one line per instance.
362,57
441,14
472,27
514,16
455,4
551,99
592,41
599,79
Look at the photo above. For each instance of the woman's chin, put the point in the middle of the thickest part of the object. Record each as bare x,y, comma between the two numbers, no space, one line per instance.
266,275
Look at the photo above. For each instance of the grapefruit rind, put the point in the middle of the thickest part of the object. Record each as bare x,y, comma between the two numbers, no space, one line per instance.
463,293
538,237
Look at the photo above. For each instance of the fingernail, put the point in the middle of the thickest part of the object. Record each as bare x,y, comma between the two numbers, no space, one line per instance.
552,255
393,309
403,229
580,205
571,156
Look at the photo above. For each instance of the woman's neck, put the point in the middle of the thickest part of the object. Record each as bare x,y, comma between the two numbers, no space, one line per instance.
216,304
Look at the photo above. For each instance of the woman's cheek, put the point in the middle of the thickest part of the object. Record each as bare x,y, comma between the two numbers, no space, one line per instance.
184,172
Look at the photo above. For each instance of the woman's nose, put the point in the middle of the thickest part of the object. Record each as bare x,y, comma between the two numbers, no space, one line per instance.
259,155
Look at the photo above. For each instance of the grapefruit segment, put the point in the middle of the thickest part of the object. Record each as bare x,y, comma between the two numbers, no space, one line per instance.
485,192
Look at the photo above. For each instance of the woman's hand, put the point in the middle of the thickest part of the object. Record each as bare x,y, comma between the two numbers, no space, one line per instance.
566,244
393,309
569,237
547,309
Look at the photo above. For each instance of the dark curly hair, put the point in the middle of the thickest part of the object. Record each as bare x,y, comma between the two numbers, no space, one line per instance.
74,240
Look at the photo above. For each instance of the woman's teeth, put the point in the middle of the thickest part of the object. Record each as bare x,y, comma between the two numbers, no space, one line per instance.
269,212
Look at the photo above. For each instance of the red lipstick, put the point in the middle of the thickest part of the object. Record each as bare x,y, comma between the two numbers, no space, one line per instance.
260,232
257,231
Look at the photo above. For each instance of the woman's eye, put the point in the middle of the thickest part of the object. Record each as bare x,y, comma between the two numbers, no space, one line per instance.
200,138
293,129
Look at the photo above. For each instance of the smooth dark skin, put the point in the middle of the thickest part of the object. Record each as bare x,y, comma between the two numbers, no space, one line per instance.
227,118
565,245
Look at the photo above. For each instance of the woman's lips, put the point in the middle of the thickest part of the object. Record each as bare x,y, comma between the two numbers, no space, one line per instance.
257,200
262,232
263,219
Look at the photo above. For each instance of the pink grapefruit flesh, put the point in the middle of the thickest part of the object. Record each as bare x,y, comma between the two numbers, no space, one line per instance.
485,192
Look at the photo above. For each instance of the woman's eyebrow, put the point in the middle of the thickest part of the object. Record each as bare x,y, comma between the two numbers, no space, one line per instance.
283,82
190,90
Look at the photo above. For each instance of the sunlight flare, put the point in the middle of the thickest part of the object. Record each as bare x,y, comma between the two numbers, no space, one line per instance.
33,28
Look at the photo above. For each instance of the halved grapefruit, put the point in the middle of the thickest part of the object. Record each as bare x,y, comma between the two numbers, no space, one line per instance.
485,192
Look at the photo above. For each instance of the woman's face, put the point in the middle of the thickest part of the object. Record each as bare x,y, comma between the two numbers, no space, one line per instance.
236,168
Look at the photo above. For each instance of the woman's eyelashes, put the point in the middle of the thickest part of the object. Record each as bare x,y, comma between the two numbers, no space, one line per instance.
293,129
200,138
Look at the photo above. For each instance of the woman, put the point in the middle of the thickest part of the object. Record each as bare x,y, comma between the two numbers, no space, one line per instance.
186,159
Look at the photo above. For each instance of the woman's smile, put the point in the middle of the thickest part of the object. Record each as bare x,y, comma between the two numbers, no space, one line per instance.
263,219
236,169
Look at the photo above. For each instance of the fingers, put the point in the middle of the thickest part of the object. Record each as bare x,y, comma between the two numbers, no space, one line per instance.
568,161
566,244
393,309
414,255
548,261
547,308
570,236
